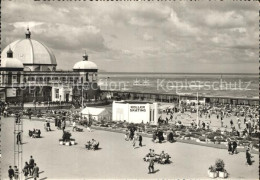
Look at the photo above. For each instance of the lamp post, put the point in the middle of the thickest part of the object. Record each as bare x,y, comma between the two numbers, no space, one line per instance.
60,101
35,94
197,110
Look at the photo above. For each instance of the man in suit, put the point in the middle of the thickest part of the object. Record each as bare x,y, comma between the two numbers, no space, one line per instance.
151,165
140,140
31,165
35,171
11,172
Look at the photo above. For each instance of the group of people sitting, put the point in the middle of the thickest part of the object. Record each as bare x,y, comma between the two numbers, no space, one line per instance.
92,145
35,133
75,128
163,158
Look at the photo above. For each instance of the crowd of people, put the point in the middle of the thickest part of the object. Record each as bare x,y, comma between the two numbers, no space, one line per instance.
227,115
132,135
29,169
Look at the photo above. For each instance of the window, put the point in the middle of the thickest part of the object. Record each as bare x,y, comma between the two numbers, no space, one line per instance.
86,76
18,77
18,92
31,91
14,78
56,93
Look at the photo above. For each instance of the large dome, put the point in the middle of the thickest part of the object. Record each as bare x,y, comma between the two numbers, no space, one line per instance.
85,65
31,52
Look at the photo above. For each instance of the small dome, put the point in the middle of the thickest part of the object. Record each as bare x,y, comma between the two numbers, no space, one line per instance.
85,65
11,63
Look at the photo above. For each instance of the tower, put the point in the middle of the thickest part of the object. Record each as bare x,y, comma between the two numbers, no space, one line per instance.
18,146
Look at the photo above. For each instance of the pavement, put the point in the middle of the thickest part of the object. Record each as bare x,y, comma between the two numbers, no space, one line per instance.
116,157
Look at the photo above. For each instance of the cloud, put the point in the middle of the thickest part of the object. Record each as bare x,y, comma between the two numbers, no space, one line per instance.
148,37
141,36
224,20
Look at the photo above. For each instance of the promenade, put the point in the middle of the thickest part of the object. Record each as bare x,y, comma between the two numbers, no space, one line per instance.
116,158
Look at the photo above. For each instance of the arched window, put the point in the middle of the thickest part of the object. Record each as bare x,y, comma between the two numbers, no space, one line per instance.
86,76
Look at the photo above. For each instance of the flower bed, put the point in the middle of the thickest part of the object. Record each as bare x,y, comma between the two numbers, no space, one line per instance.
202,139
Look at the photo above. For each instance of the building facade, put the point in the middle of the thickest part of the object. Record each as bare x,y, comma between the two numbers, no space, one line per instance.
28,74
135,112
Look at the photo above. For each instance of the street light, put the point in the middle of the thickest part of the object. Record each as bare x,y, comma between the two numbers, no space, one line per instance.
35,94
60,101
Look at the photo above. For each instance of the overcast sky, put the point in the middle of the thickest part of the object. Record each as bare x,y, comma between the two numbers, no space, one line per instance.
216,37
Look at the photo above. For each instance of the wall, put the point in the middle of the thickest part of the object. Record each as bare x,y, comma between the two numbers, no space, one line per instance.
135,113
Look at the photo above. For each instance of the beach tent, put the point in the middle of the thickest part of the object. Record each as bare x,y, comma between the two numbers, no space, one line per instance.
96,113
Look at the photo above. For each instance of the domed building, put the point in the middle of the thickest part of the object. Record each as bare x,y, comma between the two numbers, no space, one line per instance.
88,73
34,55
32,65
11,74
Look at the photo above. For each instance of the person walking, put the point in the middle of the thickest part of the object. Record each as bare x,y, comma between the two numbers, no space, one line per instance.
16,173
231,123
134,139
248,157
35,171
18,138
31,165
229,147
151,165
140,140
10,172
234,148
239,123
74,125
26,170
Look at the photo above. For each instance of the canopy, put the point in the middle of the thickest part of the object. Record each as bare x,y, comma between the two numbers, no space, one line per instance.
96,113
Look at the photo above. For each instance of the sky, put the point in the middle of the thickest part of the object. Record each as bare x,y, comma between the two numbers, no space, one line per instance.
173,36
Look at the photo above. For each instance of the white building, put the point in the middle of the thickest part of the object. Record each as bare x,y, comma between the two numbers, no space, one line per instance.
135,112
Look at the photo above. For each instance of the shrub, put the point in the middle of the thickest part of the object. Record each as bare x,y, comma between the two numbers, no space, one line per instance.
220,165
212,169
202,138
66,136
210,136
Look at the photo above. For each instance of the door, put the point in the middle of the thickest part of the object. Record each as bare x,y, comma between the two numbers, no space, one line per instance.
67,97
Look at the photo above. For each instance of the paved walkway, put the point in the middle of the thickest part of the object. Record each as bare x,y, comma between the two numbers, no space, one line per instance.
116,158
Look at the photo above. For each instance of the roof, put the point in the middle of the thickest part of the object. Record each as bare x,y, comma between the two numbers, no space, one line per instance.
11,63
30,51
85,65
94,111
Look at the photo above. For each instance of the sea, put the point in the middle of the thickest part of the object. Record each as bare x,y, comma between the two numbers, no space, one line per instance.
216,85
